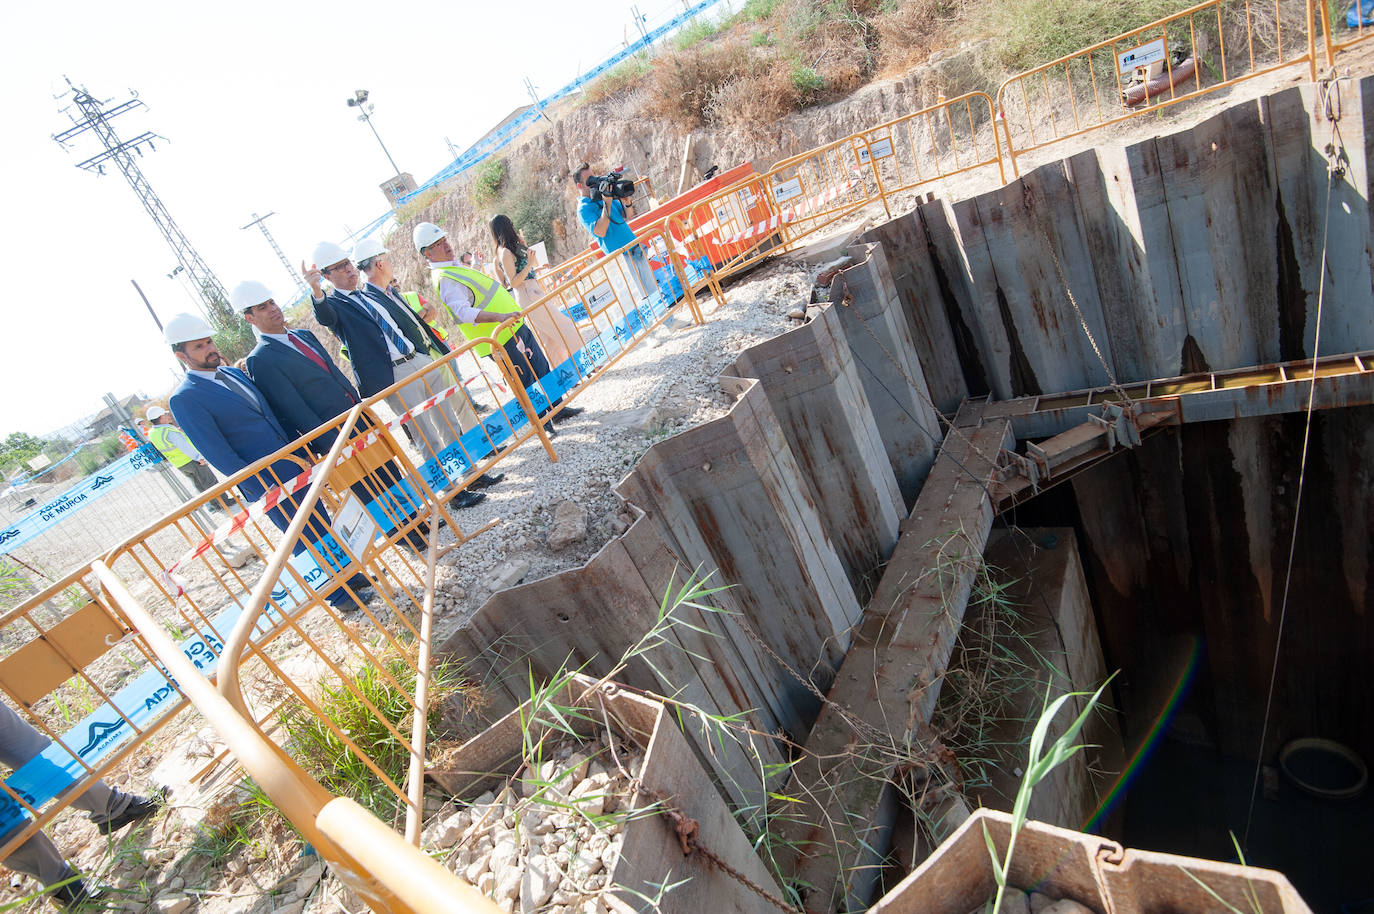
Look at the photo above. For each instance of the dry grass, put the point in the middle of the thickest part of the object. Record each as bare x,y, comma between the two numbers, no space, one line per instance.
682,85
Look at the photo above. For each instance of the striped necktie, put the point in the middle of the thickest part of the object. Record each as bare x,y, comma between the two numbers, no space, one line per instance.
403,346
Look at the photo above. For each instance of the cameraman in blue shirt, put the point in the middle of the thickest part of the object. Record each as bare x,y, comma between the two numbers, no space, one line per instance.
606,214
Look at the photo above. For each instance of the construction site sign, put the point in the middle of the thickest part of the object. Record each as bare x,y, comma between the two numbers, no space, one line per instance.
1140,56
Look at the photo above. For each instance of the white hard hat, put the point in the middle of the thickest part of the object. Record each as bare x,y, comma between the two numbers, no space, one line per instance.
183,328
425,234
367,249
155,413
248,293
327,253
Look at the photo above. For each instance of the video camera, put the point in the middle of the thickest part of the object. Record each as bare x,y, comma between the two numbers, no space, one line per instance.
611,185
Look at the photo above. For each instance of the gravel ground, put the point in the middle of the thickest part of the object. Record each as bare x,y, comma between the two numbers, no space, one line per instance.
666,383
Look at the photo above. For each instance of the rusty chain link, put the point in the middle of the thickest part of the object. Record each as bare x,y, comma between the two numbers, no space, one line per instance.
689,836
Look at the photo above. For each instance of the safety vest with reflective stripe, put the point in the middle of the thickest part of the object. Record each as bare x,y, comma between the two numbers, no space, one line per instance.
487,295
158,436
416,305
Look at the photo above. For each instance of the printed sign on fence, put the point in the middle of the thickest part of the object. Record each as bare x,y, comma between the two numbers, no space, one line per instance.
786,190
1140,56
877,150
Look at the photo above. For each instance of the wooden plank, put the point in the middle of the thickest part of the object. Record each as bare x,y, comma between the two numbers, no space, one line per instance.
813,388
733,498
890,679
879,336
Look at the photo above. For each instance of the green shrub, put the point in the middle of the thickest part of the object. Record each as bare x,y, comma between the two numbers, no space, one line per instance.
622,76
807,81
532,208
758,10
762,40
487,179
695,32
320,751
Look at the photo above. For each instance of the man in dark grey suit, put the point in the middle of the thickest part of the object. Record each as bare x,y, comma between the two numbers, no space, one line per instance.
386,344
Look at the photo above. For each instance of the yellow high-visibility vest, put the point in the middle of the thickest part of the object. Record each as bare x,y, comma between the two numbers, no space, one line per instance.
413,299
175,456
487,295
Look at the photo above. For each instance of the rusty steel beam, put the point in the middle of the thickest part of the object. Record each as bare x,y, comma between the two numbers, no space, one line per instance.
1342,380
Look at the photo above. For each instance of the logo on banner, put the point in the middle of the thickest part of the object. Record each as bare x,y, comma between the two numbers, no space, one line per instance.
99,734
13,531
566,377
279,594
101,482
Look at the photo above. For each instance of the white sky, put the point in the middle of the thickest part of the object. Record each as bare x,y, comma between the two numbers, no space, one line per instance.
252,97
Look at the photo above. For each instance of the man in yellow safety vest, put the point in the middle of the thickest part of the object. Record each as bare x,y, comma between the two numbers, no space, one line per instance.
478,304
179,451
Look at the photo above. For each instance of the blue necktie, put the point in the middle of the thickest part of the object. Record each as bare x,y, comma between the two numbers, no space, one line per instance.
402,344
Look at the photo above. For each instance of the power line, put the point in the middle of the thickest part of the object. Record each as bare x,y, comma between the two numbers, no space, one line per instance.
95,117
261,222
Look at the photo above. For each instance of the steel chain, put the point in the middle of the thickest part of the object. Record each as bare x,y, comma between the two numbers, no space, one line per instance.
689,836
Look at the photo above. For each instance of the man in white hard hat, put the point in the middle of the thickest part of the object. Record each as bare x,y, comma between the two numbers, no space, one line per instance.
386,344
230,422
479,303
306,389
179,451
374,260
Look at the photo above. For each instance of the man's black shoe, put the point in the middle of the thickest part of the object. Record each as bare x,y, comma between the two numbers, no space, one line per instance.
77,896
486,481
416,540
139,808
466,499
569,412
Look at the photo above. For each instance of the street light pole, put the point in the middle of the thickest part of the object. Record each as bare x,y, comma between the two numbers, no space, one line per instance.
359,101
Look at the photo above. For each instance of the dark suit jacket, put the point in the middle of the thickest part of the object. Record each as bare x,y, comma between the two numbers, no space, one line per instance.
302,396
360,332
420,334
231,433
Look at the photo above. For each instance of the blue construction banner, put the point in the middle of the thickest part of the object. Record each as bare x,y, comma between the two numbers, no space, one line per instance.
81,495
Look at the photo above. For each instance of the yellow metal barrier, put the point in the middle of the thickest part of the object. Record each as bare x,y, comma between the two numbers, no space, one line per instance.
1353,36
741,224
64,654
1198,50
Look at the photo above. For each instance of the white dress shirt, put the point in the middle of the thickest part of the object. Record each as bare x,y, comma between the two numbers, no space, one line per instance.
457,297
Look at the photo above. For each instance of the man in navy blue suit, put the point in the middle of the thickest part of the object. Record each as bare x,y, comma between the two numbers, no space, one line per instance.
231,424
387,343
305,389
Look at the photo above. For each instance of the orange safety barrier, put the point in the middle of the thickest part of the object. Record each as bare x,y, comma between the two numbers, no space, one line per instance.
1198,50
1363,28
65,654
